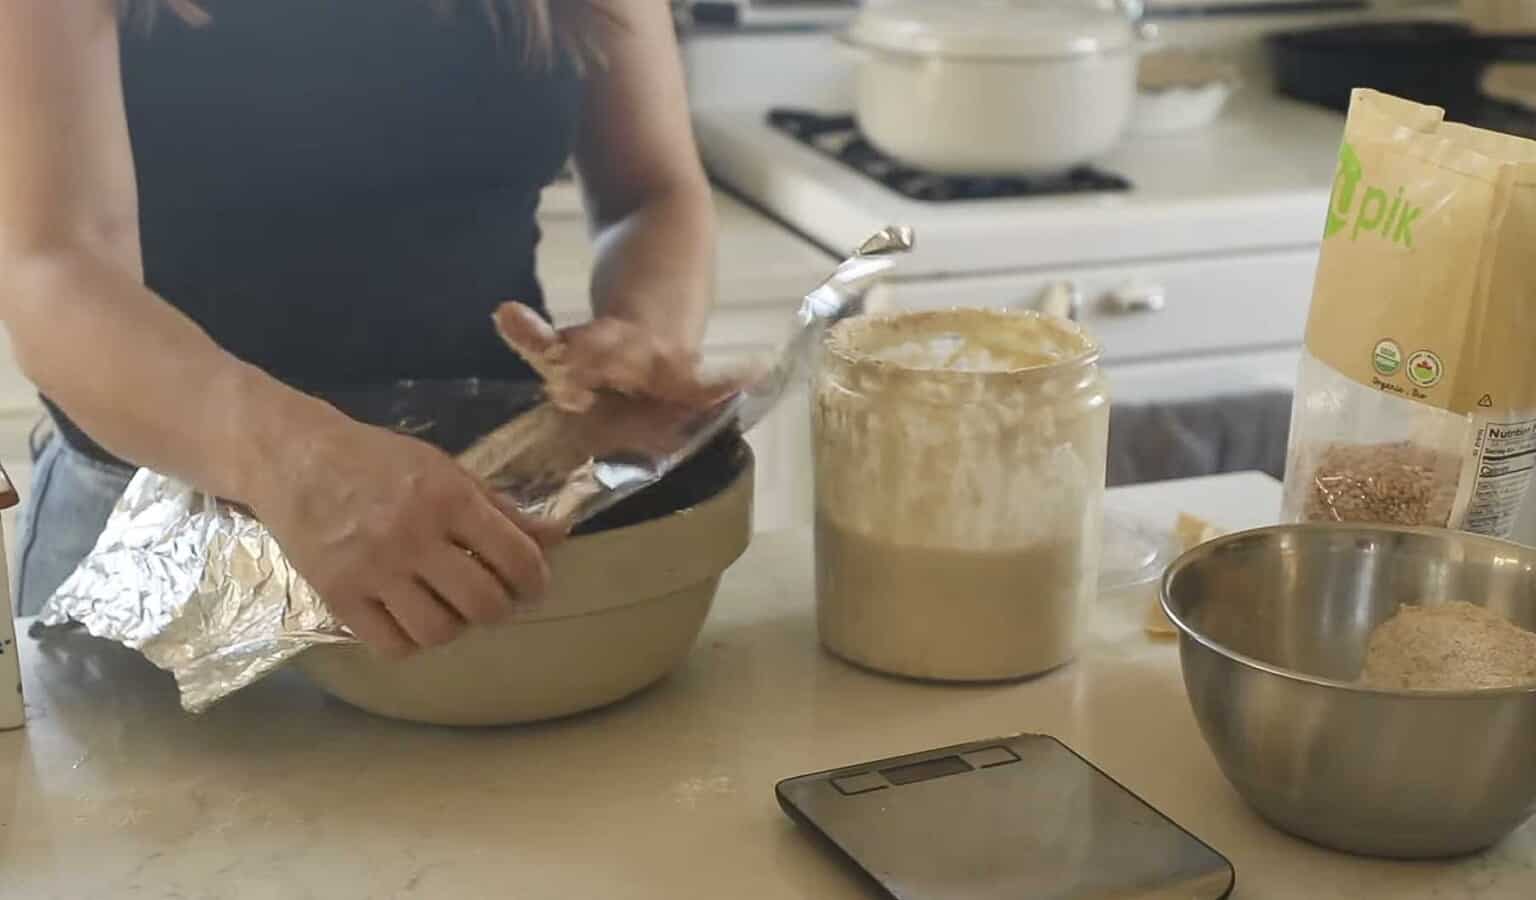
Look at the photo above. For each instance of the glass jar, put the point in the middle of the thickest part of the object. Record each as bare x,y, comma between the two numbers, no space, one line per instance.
960,460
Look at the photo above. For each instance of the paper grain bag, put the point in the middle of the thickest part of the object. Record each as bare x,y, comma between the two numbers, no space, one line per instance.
1416,402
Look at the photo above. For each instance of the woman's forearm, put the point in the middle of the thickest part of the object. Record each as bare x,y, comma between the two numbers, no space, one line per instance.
645,187
655,266
144,380
138,375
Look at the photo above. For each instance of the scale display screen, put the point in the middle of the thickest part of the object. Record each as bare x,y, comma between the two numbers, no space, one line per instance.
928,768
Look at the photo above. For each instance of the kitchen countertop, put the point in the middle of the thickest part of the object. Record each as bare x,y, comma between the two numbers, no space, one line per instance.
281,793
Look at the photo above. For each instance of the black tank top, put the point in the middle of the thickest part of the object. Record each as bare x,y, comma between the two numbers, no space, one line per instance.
341,191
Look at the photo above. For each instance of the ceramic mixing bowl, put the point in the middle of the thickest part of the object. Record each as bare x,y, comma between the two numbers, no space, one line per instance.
629,594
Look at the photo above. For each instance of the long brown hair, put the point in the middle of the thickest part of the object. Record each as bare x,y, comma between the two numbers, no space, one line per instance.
547,29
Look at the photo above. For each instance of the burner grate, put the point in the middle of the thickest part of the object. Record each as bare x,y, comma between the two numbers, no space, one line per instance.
839,138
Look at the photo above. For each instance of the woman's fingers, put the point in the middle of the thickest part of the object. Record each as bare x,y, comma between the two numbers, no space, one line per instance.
378,524
527,334
680,381
506,550
421,614
458,585
483,566
607,353
372,624
610,354
464,582
547,533
537,342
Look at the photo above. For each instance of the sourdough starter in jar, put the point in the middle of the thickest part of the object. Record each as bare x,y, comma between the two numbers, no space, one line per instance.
959,478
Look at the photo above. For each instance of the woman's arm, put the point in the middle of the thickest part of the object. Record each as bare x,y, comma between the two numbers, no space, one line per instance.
85,330
647,195
653,225
378,523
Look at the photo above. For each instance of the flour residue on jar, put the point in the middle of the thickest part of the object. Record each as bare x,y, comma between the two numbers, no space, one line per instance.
968,341
966,458
960,463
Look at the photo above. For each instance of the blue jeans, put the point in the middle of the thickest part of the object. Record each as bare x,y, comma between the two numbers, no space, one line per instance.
68,505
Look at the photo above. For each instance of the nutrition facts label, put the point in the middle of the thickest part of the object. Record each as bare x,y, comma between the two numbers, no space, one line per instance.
1504,458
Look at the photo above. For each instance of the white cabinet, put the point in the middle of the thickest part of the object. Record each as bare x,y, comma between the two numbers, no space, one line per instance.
1164,309
1169,329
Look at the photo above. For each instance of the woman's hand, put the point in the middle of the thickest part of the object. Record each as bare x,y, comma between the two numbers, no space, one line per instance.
611,354
405,547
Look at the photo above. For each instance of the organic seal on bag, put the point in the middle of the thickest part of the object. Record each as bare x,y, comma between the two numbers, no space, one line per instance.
1416,403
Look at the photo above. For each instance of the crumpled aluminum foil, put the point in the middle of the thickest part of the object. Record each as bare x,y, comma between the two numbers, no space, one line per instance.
202,589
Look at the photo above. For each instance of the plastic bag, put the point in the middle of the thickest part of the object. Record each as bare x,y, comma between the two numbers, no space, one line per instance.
1416,402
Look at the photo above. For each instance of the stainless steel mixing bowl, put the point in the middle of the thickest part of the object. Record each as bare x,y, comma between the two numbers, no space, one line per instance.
1273,631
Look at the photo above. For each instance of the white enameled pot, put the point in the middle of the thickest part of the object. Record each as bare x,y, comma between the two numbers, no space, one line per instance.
994,88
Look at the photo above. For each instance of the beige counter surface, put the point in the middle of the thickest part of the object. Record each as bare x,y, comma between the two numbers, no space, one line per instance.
279,793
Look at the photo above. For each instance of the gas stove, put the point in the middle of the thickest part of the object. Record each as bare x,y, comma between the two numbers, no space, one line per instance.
1257,179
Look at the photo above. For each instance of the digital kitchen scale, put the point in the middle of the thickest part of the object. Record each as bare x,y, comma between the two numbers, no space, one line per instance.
1020,818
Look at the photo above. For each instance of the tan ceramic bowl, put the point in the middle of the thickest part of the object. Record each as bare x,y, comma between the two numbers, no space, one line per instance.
624,609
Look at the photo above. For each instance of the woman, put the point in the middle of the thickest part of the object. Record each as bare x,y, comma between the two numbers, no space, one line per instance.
205,205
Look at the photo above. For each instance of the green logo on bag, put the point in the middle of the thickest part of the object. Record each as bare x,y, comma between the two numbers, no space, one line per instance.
1377,212
1387,357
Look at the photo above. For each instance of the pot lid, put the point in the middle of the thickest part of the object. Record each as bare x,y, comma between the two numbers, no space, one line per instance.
998,29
